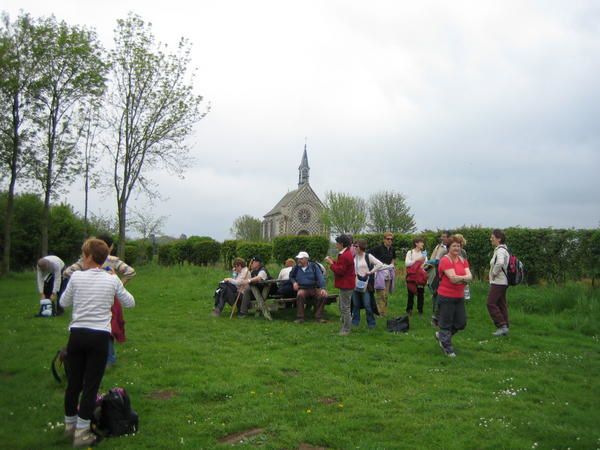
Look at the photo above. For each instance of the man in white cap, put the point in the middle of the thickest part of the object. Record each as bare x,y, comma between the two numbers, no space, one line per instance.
308,282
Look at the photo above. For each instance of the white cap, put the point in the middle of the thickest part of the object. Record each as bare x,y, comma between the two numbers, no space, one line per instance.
302,255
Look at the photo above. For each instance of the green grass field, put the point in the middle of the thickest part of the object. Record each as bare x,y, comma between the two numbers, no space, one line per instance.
203,382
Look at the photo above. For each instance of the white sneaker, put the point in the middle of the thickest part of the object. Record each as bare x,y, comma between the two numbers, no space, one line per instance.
83,437
502,331
69,430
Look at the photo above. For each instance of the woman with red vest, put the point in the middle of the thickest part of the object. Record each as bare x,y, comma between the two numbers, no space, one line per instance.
454,274
345,279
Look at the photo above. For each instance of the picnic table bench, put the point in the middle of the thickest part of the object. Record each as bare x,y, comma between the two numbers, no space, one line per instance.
266,302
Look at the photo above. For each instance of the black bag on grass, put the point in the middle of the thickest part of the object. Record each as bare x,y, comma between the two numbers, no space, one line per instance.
115,417
398,325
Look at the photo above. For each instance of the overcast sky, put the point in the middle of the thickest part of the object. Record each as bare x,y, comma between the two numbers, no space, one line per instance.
479,112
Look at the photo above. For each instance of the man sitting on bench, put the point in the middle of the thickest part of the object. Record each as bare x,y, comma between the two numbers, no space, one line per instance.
307,280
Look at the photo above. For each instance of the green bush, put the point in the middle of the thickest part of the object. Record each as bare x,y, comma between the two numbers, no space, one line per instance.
285,247
204,252
168,254
138,252
228,252
247,250
65,233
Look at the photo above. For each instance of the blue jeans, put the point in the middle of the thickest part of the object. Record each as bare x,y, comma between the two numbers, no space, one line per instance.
364,299
112,355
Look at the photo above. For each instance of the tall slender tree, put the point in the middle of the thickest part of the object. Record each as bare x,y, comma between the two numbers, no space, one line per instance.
19,67
71,72
153,108
91,123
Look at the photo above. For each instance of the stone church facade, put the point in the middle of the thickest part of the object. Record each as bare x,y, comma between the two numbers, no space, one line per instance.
298,212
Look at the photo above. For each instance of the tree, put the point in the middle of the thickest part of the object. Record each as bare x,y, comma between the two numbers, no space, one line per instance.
388,211
153,111
146,223
72,71
18,69
247,228
91,121
344,213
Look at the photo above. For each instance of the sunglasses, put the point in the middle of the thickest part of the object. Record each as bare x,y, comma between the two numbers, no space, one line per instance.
388,239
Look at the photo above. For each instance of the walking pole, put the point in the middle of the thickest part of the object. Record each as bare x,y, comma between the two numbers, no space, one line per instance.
234,307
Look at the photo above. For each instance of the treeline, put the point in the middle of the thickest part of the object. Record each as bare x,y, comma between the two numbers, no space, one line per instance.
66,232
548,254
72,110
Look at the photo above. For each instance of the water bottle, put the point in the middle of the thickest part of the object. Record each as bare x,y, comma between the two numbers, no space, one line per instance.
425,254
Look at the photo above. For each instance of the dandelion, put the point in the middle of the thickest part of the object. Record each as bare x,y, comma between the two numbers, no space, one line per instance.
340,405
308,411
252,393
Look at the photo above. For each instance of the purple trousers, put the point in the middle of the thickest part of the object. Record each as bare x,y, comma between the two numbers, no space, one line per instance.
497,305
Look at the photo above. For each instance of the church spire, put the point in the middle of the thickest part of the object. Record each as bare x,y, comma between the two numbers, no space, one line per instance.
303,169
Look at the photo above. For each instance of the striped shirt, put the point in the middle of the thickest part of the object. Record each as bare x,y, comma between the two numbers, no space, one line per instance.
92,292
125,272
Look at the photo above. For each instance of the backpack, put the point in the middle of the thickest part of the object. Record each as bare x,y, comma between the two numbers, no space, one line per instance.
515,271
115,416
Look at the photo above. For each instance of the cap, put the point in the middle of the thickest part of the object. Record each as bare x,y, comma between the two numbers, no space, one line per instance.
302,255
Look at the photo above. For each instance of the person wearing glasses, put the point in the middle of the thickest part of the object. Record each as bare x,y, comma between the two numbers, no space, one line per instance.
384,279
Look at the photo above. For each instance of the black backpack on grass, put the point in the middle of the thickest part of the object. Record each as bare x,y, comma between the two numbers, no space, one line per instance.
115,416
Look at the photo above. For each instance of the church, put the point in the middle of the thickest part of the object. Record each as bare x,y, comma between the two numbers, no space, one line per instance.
298,212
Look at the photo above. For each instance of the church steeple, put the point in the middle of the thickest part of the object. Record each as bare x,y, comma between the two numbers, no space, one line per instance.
303,169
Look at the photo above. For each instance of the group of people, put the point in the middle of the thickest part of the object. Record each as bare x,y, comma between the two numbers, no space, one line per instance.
91,286
366,277
96,294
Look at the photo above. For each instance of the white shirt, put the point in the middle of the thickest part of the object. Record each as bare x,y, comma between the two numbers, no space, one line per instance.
92,293
56,265
412,256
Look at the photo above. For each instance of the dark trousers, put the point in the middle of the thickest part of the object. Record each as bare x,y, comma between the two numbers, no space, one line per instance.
87,351
497,305
452,318
227,294
49,286
301,297
420,299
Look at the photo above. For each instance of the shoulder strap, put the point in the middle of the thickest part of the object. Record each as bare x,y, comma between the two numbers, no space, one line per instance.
368,260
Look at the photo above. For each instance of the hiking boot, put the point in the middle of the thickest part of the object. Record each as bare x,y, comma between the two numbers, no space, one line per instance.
69,430
242,316
215,313
322,321
299,321
451,354
434,322
83,437
502,331
344,333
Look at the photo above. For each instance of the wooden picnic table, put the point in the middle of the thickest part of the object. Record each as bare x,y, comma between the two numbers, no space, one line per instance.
262,297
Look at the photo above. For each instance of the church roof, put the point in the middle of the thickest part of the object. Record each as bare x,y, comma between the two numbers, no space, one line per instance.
287,198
